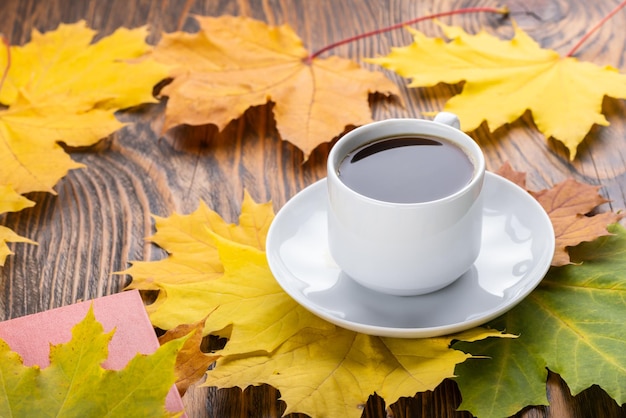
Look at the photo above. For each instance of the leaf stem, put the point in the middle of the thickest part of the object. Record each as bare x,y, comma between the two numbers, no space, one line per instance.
317,53
595,28
6,43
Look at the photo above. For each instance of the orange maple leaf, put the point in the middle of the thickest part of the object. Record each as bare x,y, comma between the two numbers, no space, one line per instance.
234,63
568,204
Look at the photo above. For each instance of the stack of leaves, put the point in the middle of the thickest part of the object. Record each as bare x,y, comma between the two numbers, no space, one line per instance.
60,88
220,270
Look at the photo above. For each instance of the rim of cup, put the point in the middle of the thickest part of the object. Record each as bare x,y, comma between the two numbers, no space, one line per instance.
469,146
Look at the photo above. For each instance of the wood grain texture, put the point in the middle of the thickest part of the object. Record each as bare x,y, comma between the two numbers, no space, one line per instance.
97,222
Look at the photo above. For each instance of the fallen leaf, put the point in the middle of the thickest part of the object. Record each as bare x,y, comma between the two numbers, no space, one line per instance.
193,256
234,63
212,265
517,177
7,235
246,298
572,324
503,79
66,63
267,328
10,201
191,362
31,158
61,88
568,203
74,384
331,373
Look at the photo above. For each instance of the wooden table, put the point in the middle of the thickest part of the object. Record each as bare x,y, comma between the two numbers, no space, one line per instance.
97,222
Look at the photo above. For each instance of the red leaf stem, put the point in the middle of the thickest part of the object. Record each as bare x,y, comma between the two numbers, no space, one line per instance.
315,54
595,28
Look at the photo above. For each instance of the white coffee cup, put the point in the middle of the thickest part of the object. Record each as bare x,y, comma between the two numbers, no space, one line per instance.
405,248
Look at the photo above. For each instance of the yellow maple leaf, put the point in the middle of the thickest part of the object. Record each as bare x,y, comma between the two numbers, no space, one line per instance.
221,268
62,88
193,255
31,158
504,79
246,300
11,201
7,235
64,66
234,63
271,338
331,373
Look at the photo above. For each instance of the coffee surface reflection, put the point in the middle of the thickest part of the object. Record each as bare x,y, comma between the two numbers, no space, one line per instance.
406,169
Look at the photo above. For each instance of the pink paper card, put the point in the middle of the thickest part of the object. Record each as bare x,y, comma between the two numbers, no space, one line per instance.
30,336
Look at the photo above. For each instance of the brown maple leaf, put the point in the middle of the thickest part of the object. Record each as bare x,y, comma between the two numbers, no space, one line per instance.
569,205
191,362
234,63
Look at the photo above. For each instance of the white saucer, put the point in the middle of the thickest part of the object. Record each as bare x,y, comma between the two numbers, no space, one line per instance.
517,247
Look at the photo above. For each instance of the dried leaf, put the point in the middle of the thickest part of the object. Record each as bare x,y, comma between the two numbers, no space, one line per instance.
517,177
31,158
504,79
193,256
11,201
7,235
191,362
234,63
568,204
198,276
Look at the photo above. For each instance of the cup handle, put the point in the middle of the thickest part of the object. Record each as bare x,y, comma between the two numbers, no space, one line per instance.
449,119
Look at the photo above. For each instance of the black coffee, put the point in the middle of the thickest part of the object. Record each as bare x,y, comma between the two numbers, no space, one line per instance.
406,169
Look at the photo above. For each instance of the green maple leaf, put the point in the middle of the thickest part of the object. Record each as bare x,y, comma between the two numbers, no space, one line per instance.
74,385
574,324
